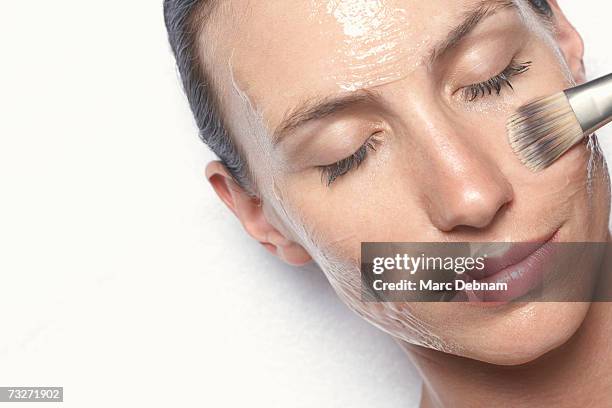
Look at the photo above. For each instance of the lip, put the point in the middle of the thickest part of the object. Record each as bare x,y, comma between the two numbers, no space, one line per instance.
516,253
522,267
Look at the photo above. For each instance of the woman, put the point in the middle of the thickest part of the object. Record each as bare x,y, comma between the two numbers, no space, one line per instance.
340,122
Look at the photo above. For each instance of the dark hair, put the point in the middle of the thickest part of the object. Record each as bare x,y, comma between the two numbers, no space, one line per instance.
183,20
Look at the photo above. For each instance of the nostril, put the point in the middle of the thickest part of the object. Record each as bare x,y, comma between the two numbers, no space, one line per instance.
473,208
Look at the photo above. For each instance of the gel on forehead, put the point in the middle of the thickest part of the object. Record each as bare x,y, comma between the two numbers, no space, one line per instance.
376,47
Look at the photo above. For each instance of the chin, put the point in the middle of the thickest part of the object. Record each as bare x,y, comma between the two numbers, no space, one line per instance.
527,333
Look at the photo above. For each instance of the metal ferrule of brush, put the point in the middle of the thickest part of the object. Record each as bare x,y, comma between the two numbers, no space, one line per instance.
592,103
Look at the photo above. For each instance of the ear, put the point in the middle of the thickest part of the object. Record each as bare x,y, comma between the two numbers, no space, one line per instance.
570,42
249,210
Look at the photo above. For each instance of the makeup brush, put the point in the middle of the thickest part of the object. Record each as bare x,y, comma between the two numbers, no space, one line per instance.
542,131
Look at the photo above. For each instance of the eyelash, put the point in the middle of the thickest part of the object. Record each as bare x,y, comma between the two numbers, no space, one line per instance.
482,89
331,172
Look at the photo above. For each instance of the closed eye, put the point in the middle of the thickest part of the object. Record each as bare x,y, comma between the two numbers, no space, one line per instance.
331,172
497,83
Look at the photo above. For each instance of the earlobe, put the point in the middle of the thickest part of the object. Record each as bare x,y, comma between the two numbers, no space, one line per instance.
250,213
287,250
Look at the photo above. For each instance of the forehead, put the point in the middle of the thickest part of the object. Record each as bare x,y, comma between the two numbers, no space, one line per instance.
278,53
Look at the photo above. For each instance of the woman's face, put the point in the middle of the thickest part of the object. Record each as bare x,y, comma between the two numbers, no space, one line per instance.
384,121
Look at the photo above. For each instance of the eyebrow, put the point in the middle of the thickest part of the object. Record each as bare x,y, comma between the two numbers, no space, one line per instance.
321,108
472,18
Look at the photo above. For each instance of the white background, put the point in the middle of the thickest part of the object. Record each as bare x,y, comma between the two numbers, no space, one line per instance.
123,278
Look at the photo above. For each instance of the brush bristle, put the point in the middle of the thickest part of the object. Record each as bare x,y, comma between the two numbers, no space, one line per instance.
542,131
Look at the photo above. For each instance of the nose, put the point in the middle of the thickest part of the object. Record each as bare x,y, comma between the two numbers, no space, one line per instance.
467,188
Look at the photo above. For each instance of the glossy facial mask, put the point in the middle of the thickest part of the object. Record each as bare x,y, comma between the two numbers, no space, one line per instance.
374,36
380,44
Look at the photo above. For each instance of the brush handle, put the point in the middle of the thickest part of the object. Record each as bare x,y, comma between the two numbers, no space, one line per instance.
592,103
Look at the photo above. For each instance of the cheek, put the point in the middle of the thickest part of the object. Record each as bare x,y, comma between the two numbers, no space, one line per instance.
376,202
577,184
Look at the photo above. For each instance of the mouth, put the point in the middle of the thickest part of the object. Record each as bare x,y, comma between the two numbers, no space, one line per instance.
521,267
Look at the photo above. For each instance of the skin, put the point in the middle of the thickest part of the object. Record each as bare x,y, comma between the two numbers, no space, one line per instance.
442,171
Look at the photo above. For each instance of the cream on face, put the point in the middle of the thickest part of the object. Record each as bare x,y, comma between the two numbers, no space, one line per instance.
376,48
320,48
438,154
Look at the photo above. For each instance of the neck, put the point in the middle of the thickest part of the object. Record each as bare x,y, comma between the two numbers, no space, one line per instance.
577,371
